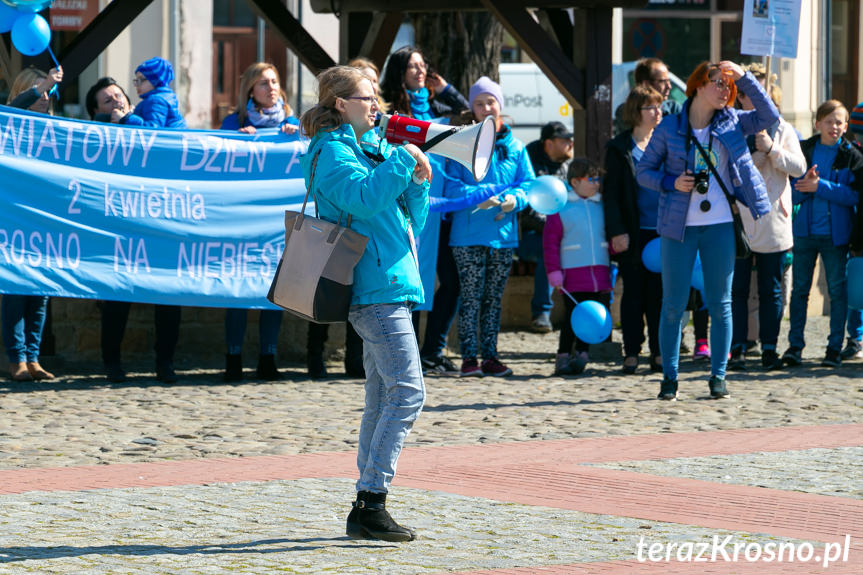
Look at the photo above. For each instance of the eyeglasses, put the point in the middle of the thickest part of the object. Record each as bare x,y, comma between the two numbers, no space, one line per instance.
592,179
139,80
720,83
366,99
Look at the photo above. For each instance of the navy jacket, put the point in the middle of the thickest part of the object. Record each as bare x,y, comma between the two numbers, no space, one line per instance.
842,189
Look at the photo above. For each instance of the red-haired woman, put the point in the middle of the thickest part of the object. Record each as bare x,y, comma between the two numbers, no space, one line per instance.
685,155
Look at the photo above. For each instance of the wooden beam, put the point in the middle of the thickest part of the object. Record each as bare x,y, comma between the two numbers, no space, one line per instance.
6,64
292,33
559,21
95,38
598,81
530,36
381,35
345,6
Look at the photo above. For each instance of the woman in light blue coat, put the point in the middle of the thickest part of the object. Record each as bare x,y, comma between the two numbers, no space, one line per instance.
385,191
483,240
695,219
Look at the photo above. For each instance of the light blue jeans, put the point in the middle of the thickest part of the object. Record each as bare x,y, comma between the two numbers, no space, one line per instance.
715,243
395,391
23,317
269,325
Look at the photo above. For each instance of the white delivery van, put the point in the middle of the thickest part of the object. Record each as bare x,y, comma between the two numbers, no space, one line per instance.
531,100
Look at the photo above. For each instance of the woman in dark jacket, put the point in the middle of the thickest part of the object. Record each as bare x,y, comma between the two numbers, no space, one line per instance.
412,90
696,217
630,222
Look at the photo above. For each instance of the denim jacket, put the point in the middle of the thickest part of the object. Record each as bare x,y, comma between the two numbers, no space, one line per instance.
668,154
386,206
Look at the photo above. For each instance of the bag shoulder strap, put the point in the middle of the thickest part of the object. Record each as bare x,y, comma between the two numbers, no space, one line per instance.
731,203
310,190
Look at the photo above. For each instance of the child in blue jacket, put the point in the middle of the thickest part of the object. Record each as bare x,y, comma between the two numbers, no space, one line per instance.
827,194
158,107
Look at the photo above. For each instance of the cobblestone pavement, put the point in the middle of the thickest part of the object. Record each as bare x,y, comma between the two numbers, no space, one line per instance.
294,524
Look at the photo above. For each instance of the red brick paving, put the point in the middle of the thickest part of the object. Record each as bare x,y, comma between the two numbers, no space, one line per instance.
550,473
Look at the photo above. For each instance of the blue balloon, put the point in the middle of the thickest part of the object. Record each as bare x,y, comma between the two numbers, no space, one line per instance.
31,34
855,283
651,256
591,322
698,275
30,5
546,194
8,15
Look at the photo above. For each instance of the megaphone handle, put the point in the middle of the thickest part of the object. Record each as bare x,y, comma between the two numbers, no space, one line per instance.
437,139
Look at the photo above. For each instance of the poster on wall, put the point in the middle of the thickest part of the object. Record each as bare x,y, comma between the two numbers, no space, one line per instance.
770,28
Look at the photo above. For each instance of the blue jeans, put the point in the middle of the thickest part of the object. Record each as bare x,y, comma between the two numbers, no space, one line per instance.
806,250
769,274
715,243
395,391
269,325
530,250
855,324
23,317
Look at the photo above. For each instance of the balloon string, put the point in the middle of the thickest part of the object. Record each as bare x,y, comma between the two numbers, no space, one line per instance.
53,91
53,57
569,295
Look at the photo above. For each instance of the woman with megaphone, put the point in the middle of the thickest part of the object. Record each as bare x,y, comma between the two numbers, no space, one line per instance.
383,194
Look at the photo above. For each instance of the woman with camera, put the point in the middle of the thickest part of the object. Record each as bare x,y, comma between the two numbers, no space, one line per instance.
696,160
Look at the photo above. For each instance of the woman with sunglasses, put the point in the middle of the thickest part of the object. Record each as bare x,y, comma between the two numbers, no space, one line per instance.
630,223
384,190
690,160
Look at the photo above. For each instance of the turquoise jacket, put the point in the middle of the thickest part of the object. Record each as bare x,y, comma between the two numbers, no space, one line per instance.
511,170
386,206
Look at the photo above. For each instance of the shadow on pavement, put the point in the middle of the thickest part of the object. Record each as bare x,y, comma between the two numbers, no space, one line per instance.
14,554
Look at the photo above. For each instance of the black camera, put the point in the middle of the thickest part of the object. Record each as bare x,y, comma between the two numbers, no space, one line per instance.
702,182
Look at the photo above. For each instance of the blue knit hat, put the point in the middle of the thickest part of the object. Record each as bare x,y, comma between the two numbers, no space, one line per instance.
158,71
485,85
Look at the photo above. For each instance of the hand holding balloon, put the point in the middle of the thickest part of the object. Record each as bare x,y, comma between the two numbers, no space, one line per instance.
555,278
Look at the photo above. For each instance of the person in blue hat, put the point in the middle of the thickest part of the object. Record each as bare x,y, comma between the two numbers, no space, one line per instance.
159,107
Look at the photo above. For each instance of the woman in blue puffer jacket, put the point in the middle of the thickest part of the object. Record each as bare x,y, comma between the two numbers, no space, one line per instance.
483,241
697,219
385,191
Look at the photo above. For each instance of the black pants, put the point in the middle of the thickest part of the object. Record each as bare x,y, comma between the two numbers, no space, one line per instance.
567,336
445,306
318,335
115,314
642,300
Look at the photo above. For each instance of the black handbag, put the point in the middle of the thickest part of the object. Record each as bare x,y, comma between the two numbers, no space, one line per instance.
315,277
741,240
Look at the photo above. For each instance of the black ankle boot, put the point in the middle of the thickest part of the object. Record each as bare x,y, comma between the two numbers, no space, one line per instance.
267,368
233,367
369,519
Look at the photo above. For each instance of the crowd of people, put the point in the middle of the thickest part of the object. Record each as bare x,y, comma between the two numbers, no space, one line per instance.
444,243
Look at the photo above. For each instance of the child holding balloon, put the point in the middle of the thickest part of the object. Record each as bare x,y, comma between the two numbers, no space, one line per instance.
577,260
